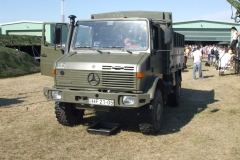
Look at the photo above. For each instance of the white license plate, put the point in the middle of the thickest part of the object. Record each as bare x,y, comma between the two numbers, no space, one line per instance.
103,102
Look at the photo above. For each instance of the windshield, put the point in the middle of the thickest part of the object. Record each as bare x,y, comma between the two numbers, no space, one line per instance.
130,35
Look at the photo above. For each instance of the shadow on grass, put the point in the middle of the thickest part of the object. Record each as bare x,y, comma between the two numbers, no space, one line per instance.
208,76
174,118
227,74
5,102
214,110
192,102
185,70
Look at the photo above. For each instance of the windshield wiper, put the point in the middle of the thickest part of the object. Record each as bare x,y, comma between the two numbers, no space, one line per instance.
122,48
127,50
100,51
118,47
84,47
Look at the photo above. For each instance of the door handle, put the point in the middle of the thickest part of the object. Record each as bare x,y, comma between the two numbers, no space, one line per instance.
43,55
62,50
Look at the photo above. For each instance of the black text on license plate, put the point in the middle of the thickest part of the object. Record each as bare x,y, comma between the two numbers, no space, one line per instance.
103,102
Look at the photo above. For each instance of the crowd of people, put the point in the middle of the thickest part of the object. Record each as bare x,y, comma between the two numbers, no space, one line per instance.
217,55
211,51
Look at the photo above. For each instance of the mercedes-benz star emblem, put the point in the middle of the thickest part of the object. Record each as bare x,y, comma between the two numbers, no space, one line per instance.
93,79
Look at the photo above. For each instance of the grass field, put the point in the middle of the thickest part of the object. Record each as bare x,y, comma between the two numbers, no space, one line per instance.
204,127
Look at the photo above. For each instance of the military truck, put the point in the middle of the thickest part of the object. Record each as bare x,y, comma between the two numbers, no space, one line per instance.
95,69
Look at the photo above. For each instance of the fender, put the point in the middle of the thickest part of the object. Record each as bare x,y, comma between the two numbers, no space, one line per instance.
153,83
56,61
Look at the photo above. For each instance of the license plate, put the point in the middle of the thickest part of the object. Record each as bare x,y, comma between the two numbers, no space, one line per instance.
103,102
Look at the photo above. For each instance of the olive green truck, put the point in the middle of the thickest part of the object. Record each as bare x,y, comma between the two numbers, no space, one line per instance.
117,60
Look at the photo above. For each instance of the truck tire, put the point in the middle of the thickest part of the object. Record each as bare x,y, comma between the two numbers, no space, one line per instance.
174,98
67,114
150,116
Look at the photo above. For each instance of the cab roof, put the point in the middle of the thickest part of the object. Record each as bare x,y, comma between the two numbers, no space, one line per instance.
166,16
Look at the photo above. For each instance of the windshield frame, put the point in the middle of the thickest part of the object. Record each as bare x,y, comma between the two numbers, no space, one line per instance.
146,38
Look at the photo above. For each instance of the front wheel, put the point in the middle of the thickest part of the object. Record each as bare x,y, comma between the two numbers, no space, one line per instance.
150,116
67,114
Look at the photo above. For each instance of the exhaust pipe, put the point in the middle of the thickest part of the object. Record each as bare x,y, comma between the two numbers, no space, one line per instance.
70,32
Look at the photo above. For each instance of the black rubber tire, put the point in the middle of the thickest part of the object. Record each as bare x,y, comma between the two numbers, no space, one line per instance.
173,99
67,114
150,116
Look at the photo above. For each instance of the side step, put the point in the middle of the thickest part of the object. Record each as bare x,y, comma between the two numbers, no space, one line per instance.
104,128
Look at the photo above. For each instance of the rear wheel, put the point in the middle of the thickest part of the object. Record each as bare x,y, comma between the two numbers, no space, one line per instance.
150,116
67,114
174,98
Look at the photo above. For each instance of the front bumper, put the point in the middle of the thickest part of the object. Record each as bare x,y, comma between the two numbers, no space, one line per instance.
71,96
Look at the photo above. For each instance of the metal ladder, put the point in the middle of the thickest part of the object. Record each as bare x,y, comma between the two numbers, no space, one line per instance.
237,62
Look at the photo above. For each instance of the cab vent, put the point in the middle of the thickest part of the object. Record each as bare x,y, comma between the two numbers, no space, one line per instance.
106,67
126,68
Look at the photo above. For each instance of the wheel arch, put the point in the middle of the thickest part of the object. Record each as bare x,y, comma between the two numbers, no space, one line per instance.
153,83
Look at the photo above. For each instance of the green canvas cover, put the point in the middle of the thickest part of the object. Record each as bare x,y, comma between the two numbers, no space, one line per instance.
135,14
16,63
19,40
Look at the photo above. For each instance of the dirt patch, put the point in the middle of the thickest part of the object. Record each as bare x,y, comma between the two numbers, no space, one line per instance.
204,126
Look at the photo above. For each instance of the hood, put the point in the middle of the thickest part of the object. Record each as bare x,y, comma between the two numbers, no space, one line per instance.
93,61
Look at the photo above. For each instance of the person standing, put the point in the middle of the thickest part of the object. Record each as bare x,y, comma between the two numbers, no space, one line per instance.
209,53
221,52
197,60
235,36
187,52
215,52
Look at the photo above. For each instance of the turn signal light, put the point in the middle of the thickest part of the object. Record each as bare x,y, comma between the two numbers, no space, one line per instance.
140,75
53,71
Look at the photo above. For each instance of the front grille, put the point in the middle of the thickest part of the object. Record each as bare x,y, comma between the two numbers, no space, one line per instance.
119,79
73,78
108,79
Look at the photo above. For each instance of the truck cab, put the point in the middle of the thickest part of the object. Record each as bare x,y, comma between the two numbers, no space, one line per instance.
117,60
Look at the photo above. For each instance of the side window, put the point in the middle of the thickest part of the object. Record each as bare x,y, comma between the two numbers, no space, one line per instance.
51,36
62,35
48,41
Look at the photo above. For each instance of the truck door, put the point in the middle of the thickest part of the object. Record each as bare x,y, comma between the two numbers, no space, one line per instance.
54,37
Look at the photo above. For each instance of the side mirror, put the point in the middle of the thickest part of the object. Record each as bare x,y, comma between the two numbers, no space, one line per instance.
57,35
168,35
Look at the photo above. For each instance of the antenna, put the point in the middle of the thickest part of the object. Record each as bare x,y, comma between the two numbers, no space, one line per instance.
62,11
